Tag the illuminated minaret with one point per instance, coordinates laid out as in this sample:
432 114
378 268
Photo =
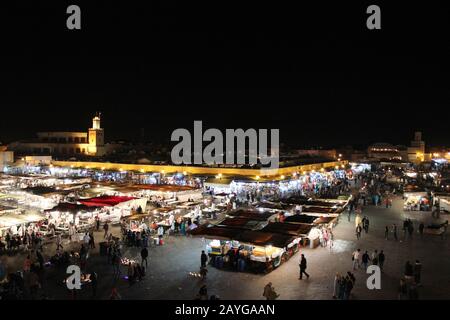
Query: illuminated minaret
96 137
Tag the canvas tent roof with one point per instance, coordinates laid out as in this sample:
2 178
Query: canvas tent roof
71 207
241 223
215 232
251 214
292 229
105 201
260 238
300 218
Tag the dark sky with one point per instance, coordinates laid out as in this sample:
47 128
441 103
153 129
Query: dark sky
316 73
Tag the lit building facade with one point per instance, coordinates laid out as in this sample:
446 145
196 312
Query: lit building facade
91 143
385 151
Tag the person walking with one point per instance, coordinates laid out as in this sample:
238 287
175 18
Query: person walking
366 224
331 240
58 242
417 272
337 279
374 257
410 229
405 228
106 228
303 265
203 259
86 240
365 260
386 233
358 232
355 259
144 256
421 228
97 224
381 259
394 231
91 240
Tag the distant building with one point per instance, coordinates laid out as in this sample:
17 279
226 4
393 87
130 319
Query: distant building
91 143
385 151
322 153
416 152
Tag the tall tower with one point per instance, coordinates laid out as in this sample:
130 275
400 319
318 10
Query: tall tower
417 142
96 137
416 152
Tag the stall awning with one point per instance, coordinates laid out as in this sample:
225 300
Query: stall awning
292 229
214 232
324 220
256 238
242 223
105 201
300 218
306 202
252 214
163 187
274 205
260 238
71 207
315 209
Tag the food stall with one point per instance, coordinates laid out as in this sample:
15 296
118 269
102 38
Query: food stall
13 221
115 207
240 249
65 214
416 201
267 249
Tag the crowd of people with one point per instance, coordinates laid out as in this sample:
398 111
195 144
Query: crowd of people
411 280
363 260
343 286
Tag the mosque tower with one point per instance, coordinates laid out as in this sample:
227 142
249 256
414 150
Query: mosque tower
96 137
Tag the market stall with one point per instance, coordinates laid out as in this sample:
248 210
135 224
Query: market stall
240 249
15 221
416 201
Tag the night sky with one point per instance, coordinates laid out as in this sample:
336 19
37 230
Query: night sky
316 73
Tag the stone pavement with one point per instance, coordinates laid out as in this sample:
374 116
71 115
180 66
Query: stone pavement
169 266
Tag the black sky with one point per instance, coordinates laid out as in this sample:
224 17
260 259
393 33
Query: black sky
316 73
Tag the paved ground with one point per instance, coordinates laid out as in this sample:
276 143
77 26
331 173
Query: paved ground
168 274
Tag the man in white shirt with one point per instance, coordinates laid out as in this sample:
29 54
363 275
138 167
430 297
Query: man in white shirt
355 258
